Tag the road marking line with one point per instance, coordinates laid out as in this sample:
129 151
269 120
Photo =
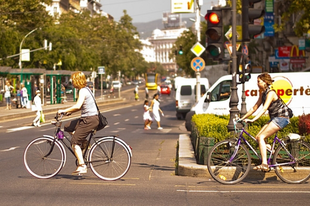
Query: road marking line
112 184
241 191
10 149
19 129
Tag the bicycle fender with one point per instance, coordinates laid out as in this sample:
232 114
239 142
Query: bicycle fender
119 140
62 147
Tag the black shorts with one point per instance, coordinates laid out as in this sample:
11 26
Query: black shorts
82 127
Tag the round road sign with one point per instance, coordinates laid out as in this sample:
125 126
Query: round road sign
198 64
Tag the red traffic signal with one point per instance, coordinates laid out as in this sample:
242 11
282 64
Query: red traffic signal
213 18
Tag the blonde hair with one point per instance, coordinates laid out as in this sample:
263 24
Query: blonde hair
265 77
79 79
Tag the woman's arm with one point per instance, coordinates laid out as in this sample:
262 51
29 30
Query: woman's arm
254 108
271 96
78 104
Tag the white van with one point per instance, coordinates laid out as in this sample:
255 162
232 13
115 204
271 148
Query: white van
185 96
293 88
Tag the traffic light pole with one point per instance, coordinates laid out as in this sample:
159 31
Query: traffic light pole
234 95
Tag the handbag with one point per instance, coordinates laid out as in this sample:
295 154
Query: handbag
103 122
289 110
42 117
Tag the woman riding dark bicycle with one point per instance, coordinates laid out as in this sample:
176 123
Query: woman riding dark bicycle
278 113
81 127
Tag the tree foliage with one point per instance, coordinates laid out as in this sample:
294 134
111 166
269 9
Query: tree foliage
80 41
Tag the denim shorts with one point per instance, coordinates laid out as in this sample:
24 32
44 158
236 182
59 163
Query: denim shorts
280 121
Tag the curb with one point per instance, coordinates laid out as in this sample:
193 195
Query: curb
54 109
187 165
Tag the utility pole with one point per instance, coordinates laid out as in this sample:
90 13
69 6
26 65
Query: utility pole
198 3
234 95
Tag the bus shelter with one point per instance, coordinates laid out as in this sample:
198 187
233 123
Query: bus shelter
31 78
54 79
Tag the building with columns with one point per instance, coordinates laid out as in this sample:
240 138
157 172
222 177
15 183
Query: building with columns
163 42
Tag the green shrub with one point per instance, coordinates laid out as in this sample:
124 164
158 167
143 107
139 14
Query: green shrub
210 125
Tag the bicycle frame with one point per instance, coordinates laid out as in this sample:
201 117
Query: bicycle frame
269 159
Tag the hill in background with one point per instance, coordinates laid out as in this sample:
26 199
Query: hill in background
145 29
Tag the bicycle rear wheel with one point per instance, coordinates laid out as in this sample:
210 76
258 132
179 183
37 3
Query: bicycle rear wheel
225 169
109 159
298 172
44 157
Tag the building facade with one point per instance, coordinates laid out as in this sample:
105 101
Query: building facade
163 42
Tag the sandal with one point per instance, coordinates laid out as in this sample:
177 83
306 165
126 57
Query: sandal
262 168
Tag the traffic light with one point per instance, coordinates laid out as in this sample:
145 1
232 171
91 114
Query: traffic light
180 50
244 69
249 14
215 37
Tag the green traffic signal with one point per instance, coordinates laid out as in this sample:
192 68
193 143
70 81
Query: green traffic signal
180 52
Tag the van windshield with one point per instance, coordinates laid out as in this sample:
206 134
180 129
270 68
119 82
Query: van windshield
221 92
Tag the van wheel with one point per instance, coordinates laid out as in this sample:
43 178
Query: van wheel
179 116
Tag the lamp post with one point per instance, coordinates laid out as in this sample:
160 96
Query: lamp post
20 48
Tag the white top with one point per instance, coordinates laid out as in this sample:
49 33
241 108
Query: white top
89 106
37 103
25 94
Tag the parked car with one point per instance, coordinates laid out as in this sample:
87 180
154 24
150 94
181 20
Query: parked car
135 82
165 89
116 84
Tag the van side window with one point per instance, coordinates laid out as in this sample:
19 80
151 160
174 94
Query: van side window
186 90
202 89
221 92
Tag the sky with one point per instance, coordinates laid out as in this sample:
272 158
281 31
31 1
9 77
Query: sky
145 10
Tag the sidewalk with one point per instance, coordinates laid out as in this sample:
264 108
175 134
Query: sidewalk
189 167
21 112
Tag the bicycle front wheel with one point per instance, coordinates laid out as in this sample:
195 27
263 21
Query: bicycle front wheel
288 171
109 159
227 165
44 157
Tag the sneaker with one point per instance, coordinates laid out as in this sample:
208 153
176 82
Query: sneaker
159 128
38 125
148 127
81 169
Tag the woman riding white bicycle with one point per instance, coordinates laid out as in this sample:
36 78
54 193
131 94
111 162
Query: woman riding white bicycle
81 127
278 112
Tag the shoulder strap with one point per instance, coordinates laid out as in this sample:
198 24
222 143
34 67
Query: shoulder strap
94 99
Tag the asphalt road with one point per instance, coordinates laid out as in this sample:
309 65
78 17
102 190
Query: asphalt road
150 181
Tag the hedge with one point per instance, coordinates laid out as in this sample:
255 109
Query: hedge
210 125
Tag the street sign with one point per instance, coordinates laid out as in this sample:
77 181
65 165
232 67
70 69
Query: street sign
101 70
198 49
229 47
245 50
198 64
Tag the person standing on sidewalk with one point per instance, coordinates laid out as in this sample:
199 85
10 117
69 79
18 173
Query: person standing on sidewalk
38 108
7 94
24 96
136 93
155 109
81 127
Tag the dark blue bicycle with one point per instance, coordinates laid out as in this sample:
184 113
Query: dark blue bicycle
229 161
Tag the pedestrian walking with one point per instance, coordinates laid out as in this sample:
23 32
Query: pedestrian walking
136 91
37 108
8 88
146 115
156 109
146 93
158 91
24 96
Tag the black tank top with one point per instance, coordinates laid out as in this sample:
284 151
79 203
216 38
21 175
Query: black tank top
276 108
